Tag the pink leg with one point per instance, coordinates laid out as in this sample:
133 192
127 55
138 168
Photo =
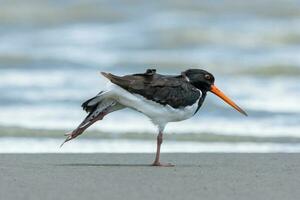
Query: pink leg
156 161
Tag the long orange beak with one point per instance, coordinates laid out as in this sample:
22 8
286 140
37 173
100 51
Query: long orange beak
220 94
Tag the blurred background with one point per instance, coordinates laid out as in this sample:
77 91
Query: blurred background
51 53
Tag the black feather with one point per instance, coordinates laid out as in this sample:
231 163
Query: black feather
88 108
175 91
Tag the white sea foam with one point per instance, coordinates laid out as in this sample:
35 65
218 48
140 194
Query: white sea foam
33 145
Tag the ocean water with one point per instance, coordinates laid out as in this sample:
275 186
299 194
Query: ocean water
51 53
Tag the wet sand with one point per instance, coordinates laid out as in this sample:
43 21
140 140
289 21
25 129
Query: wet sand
127 176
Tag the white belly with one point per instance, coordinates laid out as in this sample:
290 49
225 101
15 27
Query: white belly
159 114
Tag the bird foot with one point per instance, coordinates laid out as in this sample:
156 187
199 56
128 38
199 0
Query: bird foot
158 164
70 136
82 127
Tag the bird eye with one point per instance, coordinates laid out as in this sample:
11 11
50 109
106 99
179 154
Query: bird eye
207 77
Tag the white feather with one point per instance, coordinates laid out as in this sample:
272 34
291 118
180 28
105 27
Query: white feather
159 114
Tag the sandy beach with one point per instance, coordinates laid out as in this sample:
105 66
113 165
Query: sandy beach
127 176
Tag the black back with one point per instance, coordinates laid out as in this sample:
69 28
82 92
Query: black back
175 91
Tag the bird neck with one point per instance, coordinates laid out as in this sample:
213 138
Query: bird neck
201 100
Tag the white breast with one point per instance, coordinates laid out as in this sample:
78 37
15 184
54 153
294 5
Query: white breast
159 114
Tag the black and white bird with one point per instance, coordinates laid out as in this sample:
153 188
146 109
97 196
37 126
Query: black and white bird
163 98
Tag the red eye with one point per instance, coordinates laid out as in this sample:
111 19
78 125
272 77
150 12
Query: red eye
207 77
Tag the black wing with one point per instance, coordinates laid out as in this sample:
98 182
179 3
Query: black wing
166 90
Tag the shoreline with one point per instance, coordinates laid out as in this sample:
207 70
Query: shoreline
97 145
205 137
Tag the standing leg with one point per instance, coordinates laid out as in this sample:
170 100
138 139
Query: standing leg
156 161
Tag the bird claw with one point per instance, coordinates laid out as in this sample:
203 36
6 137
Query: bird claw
158 164
84 125
70 136
66 140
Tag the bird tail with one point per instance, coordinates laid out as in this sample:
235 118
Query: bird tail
96 107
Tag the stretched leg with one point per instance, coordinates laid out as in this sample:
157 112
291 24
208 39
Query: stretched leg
95 115
82 127
157 157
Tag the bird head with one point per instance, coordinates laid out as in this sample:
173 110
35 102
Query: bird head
205 82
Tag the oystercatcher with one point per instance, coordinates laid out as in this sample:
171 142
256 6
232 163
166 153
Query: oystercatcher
162 98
